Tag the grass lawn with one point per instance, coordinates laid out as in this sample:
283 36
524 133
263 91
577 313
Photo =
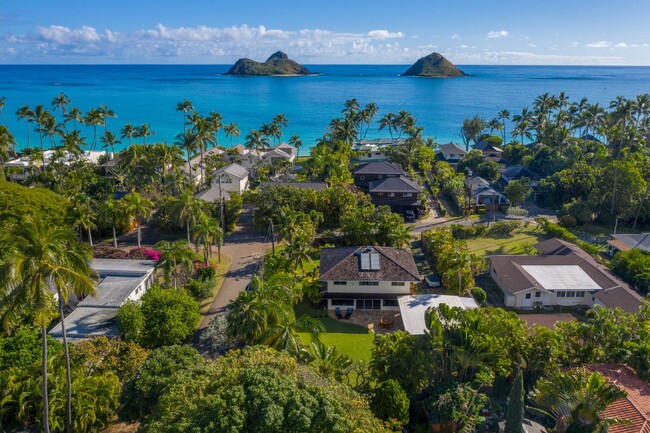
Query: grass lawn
512 245
222 269
352 340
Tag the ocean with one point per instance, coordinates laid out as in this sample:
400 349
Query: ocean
149 94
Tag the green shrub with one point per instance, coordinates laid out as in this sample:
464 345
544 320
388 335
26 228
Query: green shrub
170 315
478 294
18 202
130 321
200 290
568 221
390 402
503 229
516 211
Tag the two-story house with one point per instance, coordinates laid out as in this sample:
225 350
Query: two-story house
366 278
451 152
369 172
388 184
231 178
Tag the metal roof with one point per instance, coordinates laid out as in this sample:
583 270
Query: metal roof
413 308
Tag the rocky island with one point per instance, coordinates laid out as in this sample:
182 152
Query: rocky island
278 64
434 66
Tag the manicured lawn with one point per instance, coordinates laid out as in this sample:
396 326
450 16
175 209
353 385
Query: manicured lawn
512 245
352 340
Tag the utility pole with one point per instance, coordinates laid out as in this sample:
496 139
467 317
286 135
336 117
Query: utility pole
272 239
222 212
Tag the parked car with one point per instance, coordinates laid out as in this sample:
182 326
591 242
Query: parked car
409 215
432 281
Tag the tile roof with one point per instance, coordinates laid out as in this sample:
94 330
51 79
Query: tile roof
394 184
396 264
635 407
379 167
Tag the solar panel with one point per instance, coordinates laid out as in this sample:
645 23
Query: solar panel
374 261
365 261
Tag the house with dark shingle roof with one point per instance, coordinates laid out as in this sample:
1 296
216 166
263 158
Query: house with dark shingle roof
563 274
366 173
366 278
388 184
450 152
516 172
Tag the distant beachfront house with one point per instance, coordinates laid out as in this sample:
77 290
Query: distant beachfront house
119 281
491 153
366 278
625 242
451 152
252 158
388 184
563 274
413 309
483 193
21 168
517 172
231 178
375 150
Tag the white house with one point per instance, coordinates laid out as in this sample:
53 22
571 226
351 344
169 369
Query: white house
195 164
451 152
375 150
24 166
231 178
563 274
366 278
251 158
119 281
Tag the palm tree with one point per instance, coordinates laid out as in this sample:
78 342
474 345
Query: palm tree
187 209
2 106
128 131
110 209
214 120
51 128
189 142
504 115
326 360
298 251
296 142
110 140
577 399
143 131
24 113
231 131
7 144
280 121
208 231
60 102
106 113
73 141
94 118
75 115
85 215
137 208
388 121
186 107
174 257
256 140
284 334
41 256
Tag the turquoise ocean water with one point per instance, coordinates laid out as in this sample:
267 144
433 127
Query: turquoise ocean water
146 93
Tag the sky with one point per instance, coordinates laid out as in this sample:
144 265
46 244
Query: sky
553 32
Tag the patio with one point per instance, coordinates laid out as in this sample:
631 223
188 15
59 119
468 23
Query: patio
370 319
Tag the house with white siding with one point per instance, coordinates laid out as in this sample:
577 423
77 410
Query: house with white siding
366 277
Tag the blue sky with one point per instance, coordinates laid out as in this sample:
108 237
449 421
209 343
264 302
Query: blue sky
331 31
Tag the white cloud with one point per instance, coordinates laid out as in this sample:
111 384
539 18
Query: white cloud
599 44
64 35
532 45
528 58
384 34
455 36
621 45
498 34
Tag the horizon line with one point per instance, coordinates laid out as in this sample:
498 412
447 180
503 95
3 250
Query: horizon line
332 64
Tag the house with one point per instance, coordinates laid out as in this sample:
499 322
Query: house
516 172
413 309
119 281
451 152
195 164
483 193
366 278
563 274
252 158
20 168
635 406
366 173
488 149
400 193
316 186
625 242
375 150
281 152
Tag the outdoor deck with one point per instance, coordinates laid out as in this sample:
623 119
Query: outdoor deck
370 319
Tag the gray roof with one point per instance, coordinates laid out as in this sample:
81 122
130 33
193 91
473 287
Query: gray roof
122 266
481 186
379 167
620 297
286 148
234 169
517 171
212 194
84 322
451 148
396 264
640 241
394 184
483 145
318 186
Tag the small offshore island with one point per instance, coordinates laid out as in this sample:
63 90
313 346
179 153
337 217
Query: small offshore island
435 65
279 64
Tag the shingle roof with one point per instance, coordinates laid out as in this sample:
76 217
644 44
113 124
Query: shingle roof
234 169
396 264
379 167
635 407
212 194
517 171
484 145
622 297
640 241
451 148
318 186
394 184
481 186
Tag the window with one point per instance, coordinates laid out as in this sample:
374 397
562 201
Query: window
408 194
340 283
343 302
380 176
380 193
527 295
560 294
580 294
362 178
368 304
538 294
370 155
225 179
391 194
398 283
570 294
389 302
368 283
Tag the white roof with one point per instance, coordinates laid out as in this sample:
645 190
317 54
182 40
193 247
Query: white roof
561 277
413 308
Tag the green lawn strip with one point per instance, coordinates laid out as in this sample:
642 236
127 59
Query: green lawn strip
222 269
513 245
352 340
